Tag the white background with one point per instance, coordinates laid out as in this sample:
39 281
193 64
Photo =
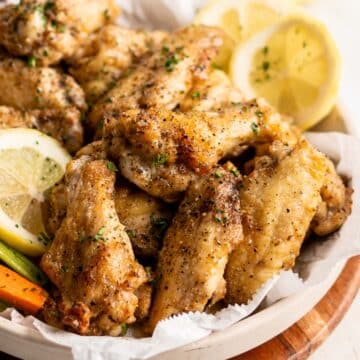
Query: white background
343 19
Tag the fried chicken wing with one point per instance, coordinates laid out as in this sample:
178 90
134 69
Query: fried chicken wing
161 151
62 124
203 233
50 31
164 78
278 201
91 261
56 198
145 218
212 94
335 206
37 88
108 55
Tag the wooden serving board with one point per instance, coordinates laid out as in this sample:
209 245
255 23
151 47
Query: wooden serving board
306 335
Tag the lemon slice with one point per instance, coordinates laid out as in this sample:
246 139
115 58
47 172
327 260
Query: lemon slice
295 65
30 163
241 19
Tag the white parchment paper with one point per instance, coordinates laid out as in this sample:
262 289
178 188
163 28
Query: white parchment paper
313 265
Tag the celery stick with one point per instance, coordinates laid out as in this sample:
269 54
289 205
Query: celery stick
21 264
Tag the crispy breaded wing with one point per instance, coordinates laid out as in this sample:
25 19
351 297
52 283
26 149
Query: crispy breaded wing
50 31
161 151
278 201
56 198
145 218
30 87
62 124
203 233
91 261
335 206
108 54
164 78
212 94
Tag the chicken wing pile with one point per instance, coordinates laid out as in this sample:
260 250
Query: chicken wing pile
182 194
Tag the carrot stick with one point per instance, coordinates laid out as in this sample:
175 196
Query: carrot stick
20 292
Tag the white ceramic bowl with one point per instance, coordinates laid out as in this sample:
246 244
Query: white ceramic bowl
262 326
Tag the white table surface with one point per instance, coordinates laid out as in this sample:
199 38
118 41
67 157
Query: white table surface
343 19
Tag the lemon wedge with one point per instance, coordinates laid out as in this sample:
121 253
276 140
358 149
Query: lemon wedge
294 64
30 163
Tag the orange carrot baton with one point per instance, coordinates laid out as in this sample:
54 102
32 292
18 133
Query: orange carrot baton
20 292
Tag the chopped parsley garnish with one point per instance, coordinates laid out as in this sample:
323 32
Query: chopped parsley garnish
235 172
215 66
61 28
31 61
83 117
44 238
107 14
99 235
111 166
124 329
265 65
165 49
255 128
218 174
170 62
17 226
259 114
221 220
56 313
39 8
49 5
265 50
160 224
100 125
131 233
195 94
161 159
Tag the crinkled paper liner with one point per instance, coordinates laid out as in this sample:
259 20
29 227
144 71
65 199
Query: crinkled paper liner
312 268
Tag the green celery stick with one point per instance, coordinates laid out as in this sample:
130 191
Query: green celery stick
21 264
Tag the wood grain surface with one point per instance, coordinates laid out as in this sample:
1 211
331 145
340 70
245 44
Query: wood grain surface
305 336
